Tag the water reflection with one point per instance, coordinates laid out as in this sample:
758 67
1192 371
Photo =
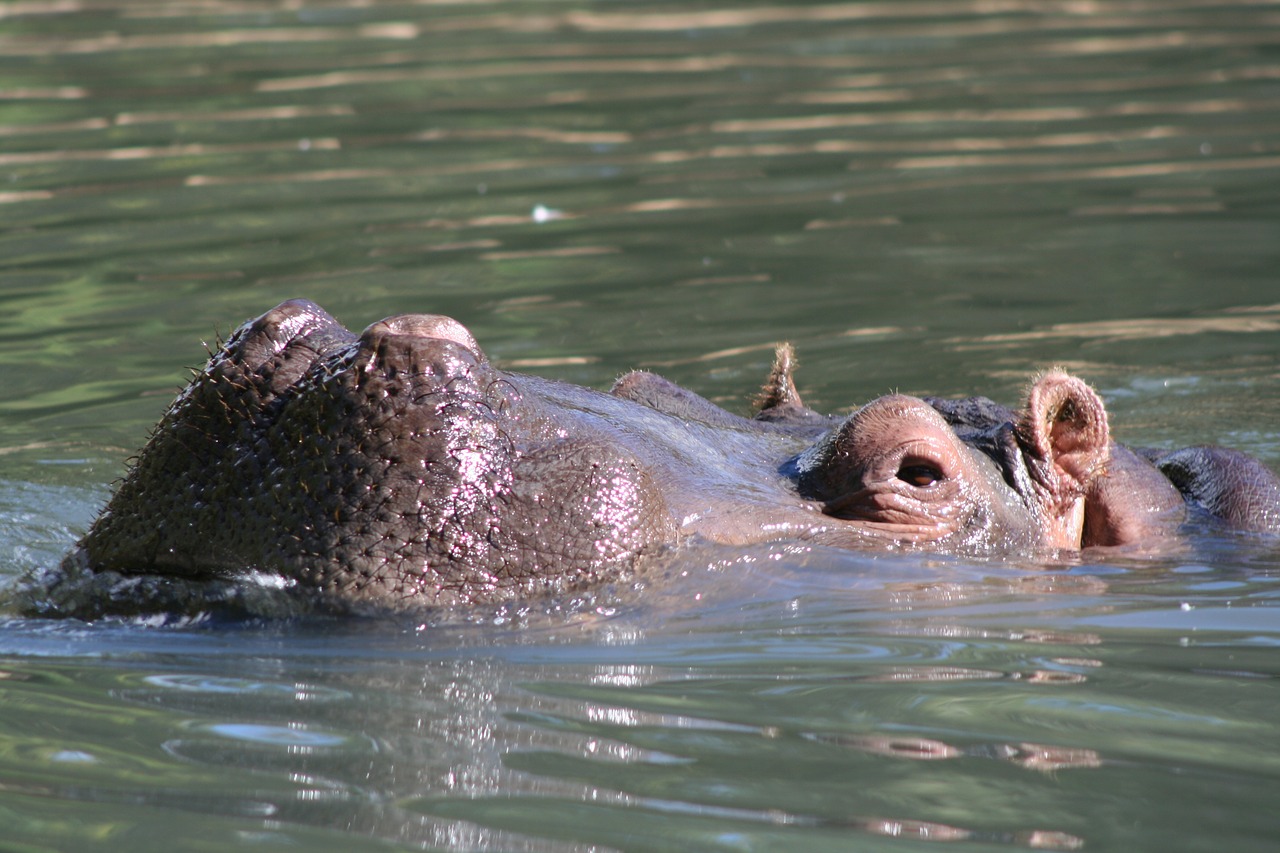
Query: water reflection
935 197
628 724
1244 320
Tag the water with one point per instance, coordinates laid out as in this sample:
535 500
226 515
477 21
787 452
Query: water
927 196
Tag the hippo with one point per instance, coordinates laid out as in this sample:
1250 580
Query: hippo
400 468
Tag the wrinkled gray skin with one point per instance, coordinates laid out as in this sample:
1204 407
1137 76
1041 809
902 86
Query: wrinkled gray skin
399 468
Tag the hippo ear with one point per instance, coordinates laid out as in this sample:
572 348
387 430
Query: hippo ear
779 389
1066 443
779 401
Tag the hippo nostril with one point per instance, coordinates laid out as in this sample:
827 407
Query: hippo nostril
428 326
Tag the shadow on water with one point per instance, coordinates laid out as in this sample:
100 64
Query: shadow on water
934 197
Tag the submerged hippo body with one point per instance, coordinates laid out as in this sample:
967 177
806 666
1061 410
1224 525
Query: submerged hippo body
399 467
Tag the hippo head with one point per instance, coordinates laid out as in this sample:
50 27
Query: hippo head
400 466
965 475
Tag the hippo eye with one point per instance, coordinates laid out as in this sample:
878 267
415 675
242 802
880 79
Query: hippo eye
919 474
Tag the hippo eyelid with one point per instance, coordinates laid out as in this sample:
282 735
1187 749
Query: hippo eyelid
920 472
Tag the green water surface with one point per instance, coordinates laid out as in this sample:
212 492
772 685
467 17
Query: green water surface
929 196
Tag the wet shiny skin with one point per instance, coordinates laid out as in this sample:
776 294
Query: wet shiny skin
400 468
